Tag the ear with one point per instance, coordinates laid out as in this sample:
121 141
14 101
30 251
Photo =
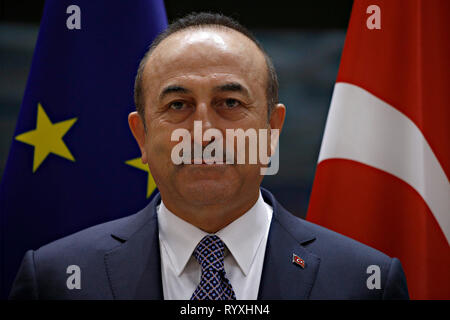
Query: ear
277 116
139 132
276 122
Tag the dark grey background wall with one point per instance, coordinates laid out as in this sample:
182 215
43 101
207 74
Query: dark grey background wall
304 39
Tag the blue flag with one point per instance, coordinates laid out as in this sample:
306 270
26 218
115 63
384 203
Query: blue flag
73 161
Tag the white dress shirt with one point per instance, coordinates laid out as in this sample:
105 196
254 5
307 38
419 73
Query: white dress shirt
245 240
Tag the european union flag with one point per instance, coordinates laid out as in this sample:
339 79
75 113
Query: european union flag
74 162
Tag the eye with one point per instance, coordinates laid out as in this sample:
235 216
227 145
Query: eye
177 105
231 103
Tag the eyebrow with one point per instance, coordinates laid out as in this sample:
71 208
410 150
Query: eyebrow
233 87
172 89
227 87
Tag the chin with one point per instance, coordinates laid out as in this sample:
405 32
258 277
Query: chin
202 189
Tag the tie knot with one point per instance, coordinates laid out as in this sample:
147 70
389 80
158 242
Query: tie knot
210 253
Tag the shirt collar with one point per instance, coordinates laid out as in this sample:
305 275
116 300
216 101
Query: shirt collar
178 236
242 237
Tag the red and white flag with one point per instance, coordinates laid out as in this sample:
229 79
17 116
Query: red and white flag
383 171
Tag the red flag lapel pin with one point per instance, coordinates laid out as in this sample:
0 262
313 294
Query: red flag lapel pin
298 261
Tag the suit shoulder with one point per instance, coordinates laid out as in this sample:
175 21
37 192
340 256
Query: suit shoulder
101 237
325 243
84 250
332 244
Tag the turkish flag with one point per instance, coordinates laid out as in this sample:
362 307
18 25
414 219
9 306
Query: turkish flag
383 171
299 261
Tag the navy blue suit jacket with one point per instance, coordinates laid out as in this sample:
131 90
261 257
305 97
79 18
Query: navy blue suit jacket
121 260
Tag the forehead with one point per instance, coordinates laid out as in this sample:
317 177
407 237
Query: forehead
205 52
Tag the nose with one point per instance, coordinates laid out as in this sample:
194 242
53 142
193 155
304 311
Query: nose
203 115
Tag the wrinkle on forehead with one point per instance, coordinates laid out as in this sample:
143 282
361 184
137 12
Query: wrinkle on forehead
205 51
206 45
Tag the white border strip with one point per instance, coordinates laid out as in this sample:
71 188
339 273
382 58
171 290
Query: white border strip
363 128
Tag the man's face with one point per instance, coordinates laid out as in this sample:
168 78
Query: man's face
218 77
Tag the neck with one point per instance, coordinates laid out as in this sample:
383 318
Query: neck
212 217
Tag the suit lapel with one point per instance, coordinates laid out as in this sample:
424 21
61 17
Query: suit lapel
281 278
134 268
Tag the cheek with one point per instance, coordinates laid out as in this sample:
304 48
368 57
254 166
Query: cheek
158 154
159 146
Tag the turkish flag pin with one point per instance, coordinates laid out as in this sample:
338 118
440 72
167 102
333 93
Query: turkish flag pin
298 261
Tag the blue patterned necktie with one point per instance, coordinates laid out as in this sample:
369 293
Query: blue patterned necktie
213 284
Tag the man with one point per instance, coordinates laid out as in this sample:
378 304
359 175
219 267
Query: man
211 232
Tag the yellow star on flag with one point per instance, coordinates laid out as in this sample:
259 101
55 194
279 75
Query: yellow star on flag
47 138
137 163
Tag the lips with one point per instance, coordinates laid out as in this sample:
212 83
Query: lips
207 161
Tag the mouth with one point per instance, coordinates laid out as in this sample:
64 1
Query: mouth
207 162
